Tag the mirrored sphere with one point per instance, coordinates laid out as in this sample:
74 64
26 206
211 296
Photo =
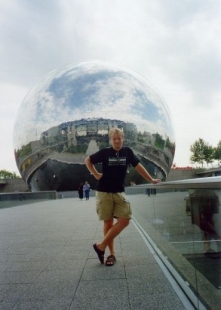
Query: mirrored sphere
68 114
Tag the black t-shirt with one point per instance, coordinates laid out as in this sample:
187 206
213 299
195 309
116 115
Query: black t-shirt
114 168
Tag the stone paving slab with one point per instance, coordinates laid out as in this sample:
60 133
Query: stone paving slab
47 262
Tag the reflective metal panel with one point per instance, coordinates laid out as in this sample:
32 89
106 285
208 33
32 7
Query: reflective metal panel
68 114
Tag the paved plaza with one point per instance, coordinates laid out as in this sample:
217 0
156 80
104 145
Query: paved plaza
47 262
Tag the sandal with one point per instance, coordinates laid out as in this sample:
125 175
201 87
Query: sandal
100 253
111 260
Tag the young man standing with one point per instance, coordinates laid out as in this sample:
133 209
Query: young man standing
111 201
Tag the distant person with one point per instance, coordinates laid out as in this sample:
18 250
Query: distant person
111 200
148 192
204 208
86 189
80 191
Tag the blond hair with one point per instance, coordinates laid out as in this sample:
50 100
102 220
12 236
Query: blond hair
117 131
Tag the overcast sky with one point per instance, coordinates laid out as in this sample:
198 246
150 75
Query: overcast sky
175 45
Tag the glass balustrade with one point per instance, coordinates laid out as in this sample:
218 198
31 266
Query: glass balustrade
182 221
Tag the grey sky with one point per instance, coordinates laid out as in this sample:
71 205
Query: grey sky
175 45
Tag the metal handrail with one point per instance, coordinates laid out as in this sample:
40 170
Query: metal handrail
208 182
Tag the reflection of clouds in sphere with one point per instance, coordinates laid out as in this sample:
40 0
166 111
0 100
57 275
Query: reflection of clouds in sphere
93 90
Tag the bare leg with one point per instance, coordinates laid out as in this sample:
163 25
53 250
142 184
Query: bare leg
107 226
113 232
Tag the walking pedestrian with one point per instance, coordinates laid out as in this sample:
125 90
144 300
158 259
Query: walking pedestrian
86 189
80 191
111 201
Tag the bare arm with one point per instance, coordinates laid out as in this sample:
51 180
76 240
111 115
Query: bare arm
143 172
92 169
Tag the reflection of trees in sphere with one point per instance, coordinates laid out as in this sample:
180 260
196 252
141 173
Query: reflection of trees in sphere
68 114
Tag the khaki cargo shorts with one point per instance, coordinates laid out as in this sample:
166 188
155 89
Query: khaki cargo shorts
112 205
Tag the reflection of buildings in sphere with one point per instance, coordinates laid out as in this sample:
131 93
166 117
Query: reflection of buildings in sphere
53 151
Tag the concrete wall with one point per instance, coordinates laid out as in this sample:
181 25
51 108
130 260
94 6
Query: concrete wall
21 198
13 185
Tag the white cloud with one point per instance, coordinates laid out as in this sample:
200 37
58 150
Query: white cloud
175 45
10 98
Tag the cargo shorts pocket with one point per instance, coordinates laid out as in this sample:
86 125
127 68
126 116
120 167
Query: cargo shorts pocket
125 200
